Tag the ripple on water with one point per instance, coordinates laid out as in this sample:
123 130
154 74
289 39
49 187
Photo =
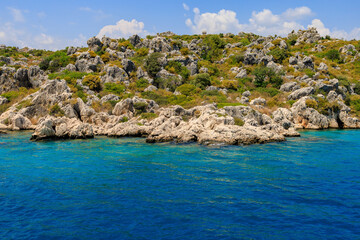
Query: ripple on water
104 188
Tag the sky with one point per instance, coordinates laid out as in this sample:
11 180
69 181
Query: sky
57 24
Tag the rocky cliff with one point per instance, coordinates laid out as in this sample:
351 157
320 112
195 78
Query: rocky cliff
226 88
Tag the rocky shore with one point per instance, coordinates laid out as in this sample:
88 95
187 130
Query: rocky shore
78 101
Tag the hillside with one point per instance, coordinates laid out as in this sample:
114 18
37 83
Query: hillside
234 89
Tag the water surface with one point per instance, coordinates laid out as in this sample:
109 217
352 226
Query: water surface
104 188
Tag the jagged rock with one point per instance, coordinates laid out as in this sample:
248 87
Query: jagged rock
322 67
289 87
129 66
150 88
301 93
246 94
71 50
22 77
135 40
114 74
110 97
309 118
84 111
3 100
193 68
241 74
258 101
62 128
70 67
244 100
88 64
128 106
94 44
275 67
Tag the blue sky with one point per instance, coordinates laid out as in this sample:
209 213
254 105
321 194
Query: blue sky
57 24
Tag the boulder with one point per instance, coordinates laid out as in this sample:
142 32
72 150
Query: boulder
297 94
94 44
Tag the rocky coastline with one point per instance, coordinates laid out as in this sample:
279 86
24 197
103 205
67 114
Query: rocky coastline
64 107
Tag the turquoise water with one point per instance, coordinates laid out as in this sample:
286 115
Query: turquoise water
305 188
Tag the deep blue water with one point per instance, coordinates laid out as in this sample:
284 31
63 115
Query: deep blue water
305 188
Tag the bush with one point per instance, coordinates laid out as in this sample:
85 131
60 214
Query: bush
357 88
355 102
142 52
140 107
279 54
239 121
262 73
142 83
93 82
213 46
68 76
333 55
271 91
114 88
309 72
230 84
202 80
105 57
148 116
187 89
178 68
311 103
55 110
55 61
152 64
185 51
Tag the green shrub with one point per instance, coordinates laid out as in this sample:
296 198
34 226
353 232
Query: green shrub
262 73
178 68
184 51
279 54
142 52
355 102
333 55
202 80
152 64
55 110
239 121
142 83
93 82
148 116
309 72
140 107
114 88
213 46
271 91
55 61
357 88
187 89
124 119
68 76
310 103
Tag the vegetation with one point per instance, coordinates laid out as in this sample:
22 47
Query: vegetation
93 82
152 64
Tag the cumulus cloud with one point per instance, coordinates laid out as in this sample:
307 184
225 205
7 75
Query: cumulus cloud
319 25
186 7
264 22
223 21
17 14
297 13
123 28
44 39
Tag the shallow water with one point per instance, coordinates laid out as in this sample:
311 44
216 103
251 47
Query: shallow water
104 188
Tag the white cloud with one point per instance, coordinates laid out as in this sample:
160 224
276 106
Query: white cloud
44 39
223 21
319 25
263 23
17 14
297 13
2 35
186 7
264 18
123 28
